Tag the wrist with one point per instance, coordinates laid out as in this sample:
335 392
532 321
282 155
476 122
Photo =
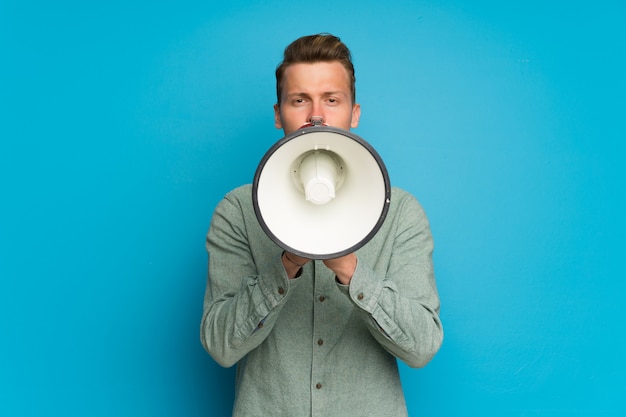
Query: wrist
291 261
343 267
292 264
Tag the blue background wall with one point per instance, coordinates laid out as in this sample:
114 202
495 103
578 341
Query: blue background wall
122 124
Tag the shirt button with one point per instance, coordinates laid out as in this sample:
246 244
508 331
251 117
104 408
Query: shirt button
360 296
318 386
281 290
322 298
320 342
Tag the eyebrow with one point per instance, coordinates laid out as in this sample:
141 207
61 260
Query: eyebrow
325 94
335 93
297 94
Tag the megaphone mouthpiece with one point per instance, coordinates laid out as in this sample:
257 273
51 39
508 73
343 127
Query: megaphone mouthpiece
314 121
319 174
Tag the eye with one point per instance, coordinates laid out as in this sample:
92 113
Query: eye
298 100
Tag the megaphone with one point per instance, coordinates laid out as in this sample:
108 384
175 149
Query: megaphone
321 192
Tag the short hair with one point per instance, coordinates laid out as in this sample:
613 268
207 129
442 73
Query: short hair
310 49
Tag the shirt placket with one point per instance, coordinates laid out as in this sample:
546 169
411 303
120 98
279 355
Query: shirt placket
320 390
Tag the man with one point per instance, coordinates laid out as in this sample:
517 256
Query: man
311 337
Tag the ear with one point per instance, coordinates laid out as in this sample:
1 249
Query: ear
356 115
277 122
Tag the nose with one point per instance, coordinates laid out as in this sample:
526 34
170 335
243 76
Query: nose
316 120
316 117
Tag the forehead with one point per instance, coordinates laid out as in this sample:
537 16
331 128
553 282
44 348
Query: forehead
310 77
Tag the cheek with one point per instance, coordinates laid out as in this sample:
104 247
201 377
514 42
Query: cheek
293 115
291 120
342 119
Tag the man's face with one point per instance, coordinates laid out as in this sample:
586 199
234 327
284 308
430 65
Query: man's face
320 89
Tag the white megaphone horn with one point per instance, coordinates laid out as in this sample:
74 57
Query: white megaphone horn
321 192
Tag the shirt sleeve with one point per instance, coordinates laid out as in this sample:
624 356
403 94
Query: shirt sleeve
401 305
242 300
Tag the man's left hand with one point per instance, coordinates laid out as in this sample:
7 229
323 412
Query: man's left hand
343 267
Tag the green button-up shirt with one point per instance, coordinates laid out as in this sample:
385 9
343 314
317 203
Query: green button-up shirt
310 346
